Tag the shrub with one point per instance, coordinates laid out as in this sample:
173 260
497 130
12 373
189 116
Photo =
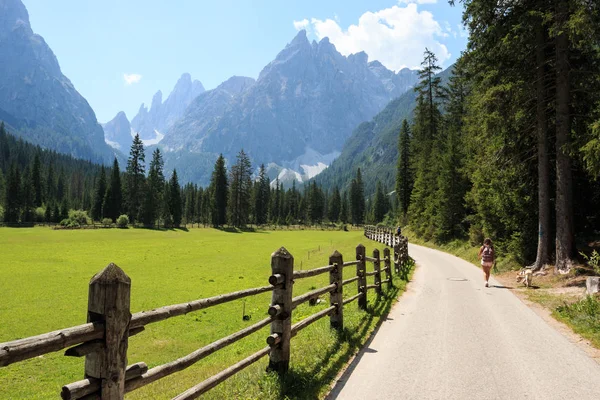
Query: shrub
69 223
40 213
107 222
123 221
80 217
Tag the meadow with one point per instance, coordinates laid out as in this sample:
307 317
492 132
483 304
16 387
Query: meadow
45 283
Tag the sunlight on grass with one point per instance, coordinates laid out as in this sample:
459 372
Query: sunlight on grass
48 274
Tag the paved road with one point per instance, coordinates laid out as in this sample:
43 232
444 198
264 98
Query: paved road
449 337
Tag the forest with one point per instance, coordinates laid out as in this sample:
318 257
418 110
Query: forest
510 148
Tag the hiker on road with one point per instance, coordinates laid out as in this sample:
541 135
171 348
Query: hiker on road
486 255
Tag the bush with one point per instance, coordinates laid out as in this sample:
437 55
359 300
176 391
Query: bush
107 222
68 223
123 221
40 213
80 217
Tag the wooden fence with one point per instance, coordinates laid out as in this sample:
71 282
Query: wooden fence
103 340
389 237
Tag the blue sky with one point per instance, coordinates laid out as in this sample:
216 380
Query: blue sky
118 53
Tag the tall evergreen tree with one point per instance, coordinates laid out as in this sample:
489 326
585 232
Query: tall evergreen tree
28 197
36 176
113 201
151 207
219 189
99 195
344 209
335 205
261 197
240 190
134 181
357 199
12 203
175 203
404 178
380 204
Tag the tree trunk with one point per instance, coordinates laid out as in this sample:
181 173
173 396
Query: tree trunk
564 184
543 162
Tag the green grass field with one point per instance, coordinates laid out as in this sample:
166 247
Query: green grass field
45 283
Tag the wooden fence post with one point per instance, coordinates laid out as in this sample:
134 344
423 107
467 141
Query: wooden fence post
387 265
397 258
336 320
282 263
377 267
362 279
108 302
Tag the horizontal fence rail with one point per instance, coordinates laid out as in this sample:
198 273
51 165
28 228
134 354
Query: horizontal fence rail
103 340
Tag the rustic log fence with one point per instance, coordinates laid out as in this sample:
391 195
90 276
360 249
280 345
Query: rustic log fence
103 340
399 243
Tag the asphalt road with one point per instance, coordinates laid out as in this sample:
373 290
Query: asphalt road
449 337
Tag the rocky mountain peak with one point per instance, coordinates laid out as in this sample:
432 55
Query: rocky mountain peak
300 39
156 101
117 132
13 15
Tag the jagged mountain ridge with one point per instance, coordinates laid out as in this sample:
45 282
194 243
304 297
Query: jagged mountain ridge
36 99
117 132
308 100
162 115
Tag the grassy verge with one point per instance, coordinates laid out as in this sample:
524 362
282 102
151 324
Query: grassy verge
47 274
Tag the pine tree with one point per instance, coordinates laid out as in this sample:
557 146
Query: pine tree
12 203
175 203
28 197
135 178
219 189
36 176
151 205
99 195
335 204
240 190
261 197
380 204
404 178
357 199
113 201
344 208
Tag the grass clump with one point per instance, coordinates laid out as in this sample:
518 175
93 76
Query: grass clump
583 316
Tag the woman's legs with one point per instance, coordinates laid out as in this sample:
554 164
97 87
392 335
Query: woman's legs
486 272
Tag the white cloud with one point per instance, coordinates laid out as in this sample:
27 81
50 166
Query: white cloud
299 25
417 1
132 78
462 31
396 36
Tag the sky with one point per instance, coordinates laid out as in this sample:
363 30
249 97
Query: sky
118 53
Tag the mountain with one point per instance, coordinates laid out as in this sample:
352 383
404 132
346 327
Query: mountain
303 106
117 133
153 123
36 99
373 147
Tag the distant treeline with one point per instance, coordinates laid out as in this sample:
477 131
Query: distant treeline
38 185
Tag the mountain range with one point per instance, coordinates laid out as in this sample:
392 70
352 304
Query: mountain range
295 117
37 101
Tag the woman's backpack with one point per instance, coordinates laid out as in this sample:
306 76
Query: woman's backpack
488 253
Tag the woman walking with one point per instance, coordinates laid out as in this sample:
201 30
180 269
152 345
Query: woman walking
486 254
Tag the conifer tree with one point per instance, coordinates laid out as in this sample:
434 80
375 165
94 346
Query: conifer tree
240 190
36 176
113 201
404 178
380 204
261 197
344 208
151 206
134 181
12 203
219 189
175 203
28 197
357 199
99 195
335 204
